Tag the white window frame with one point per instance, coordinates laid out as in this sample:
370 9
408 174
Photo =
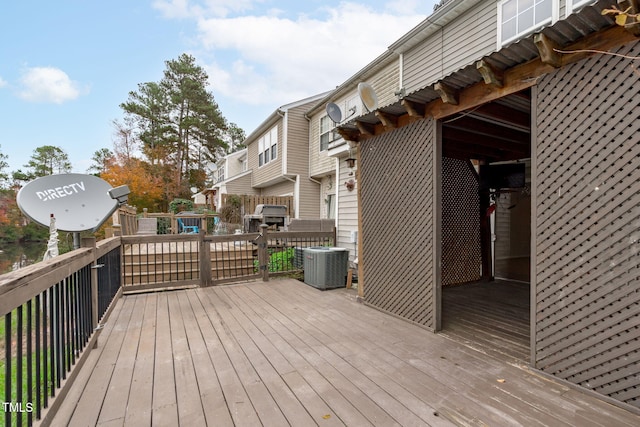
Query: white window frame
326 130
331 205
268 147
555 16
573 5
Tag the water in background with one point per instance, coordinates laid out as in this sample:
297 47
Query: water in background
14 256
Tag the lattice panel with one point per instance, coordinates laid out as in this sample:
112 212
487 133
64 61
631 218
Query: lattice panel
461 249
588 225
396 184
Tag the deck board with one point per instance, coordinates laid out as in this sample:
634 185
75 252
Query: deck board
283 353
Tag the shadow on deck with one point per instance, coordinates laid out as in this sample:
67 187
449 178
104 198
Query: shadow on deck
283 353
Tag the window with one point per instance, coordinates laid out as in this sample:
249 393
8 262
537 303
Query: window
268 147
326 132
331 206
517 18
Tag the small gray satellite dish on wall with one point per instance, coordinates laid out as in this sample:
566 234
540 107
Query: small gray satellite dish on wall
368 96
334 112
78 202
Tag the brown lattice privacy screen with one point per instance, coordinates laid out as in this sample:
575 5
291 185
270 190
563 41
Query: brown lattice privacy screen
461 250
587 299
396 184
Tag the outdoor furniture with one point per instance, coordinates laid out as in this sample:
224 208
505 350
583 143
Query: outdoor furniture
187 229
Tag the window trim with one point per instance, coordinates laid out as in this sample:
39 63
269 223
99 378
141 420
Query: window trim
331 132
555 16
266 153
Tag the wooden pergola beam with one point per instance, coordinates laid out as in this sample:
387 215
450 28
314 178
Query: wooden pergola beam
448 94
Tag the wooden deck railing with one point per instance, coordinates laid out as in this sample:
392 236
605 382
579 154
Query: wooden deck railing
50 314
188 260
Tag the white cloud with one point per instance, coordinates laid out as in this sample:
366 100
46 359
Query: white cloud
48 85
2 82
278 60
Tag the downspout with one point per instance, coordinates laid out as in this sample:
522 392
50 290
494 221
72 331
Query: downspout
315 181
285 130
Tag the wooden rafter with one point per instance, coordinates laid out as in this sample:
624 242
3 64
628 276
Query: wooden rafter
349 134
447 93
633 6
364 128
490 74
547 50
515 79
387 120
414 109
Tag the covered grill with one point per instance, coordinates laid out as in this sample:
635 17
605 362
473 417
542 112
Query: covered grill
267 214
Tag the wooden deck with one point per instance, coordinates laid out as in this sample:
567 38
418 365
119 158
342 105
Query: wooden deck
283 353
490 316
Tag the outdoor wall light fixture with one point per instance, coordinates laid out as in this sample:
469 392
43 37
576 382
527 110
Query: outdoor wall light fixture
351 162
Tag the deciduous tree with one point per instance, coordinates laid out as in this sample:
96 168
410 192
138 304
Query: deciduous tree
147 189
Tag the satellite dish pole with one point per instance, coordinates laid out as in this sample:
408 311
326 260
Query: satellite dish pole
52 244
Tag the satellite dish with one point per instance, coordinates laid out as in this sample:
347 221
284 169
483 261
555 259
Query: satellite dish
368 96
334 112
194 190
78 202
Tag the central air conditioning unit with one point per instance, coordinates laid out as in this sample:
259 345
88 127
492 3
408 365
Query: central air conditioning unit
326 268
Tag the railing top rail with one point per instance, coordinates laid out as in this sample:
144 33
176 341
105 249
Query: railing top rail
159 238
17 287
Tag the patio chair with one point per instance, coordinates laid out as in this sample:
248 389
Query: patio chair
187 229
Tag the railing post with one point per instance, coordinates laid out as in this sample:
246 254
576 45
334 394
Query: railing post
90 242
205 260
263 252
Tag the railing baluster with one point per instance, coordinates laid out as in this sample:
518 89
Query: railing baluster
45 350
38 359
19 343
53 324
30 360
7 366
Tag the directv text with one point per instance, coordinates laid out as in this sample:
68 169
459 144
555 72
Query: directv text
60 192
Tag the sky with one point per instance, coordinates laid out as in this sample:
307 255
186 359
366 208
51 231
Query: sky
66 66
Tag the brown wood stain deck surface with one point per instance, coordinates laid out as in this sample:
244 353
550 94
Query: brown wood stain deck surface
283 353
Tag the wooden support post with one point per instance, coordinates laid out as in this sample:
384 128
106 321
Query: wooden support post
205 259
263 252
349 278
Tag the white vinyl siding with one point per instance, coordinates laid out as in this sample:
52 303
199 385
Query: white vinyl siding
460 43
347 208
